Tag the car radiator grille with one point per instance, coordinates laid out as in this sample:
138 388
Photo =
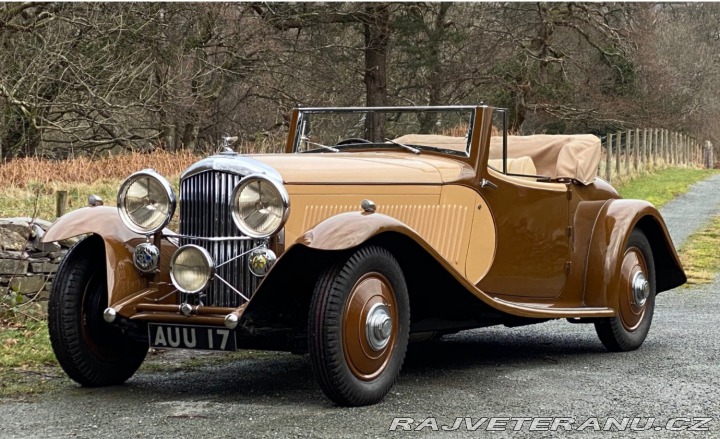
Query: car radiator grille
205 212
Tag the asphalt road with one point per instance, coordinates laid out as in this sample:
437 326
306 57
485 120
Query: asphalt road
551 370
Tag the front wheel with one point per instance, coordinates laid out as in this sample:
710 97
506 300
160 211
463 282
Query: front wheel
636 299
90 351
358 327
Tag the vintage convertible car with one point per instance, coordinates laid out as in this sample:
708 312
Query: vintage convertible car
375 224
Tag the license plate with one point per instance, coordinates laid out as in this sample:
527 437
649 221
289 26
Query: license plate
191 337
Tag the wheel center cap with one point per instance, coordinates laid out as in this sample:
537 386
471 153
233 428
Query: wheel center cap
640 289
378 326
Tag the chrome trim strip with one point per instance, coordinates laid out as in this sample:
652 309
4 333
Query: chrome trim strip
214 239
234 164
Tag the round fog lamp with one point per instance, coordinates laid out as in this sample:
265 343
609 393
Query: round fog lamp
191 269
261 261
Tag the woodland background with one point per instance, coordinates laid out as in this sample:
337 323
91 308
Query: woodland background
93 78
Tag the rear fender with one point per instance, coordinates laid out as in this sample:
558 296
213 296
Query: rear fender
614 224
119 242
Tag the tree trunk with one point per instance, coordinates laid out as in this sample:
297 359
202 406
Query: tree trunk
435 83
377 34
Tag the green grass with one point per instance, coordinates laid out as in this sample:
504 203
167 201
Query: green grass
663 186
701 256
38 200
27 363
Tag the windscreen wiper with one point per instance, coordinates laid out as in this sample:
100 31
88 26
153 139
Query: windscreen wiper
319 145
409 148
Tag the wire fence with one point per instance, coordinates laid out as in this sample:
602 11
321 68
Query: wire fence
642 150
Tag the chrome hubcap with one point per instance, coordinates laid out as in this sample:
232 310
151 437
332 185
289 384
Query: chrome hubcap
640 289
378 326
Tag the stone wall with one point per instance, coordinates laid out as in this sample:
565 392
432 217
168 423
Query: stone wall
27 265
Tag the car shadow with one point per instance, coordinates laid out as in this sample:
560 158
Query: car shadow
281 378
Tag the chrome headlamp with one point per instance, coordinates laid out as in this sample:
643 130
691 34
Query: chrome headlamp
146 202
260 206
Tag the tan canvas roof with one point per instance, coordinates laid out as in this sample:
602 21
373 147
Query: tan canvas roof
573 156
558 156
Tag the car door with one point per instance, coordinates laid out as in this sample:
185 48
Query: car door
533 243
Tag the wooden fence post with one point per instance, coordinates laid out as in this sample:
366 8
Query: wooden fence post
683 143
698 154
617 153
645 148
628 151
673 139
608 157
681 148
60 203
653 147
636 147
708 155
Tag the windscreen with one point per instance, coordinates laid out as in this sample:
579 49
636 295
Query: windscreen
437 128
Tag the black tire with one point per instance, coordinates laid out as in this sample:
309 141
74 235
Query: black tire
345 373
627 331
90 351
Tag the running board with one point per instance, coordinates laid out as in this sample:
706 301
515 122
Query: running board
542 311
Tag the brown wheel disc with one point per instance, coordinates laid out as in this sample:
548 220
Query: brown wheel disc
367 349
635 299
631 306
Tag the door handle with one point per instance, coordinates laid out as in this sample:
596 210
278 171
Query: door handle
487 183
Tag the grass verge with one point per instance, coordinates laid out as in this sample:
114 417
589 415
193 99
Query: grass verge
27 363
700 255
664 185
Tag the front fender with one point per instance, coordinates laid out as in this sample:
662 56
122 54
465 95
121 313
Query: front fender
614 224
348 230
122 277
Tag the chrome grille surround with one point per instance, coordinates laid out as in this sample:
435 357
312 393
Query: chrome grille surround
205 213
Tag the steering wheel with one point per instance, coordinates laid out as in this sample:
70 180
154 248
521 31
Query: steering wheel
351 141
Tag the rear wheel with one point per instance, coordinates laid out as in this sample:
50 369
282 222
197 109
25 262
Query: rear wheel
358 327
636 299
90 351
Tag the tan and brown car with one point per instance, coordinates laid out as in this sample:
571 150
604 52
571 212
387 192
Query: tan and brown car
375 224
